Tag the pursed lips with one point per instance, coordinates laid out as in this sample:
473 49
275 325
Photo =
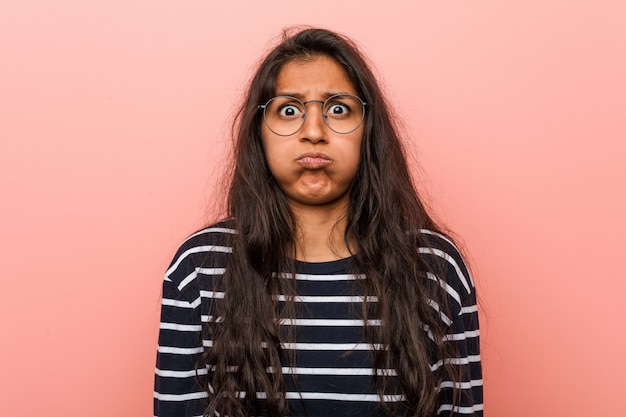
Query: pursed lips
314 160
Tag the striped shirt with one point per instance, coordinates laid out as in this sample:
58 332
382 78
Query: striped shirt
333 363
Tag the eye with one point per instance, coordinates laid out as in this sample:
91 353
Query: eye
337 108
289 110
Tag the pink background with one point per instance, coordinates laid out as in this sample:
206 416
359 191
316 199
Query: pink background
113 122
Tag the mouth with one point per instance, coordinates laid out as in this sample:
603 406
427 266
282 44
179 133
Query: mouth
314 160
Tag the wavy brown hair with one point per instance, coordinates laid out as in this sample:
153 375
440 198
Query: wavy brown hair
384 212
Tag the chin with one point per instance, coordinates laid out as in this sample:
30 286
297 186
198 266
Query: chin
322 200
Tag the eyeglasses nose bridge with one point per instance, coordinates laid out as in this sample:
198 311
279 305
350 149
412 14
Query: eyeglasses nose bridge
306 112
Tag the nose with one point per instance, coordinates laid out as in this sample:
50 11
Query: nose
314 127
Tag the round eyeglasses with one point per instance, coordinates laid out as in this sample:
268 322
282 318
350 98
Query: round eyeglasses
285 115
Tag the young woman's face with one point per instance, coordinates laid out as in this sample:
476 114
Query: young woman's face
315 165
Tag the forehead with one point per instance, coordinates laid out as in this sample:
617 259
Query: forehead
319 75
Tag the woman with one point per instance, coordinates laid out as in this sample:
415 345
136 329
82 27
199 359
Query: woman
329 290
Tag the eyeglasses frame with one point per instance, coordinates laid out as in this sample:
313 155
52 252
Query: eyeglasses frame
324 117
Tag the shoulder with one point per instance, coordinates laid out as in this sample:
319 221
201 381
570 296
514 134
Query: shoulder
209 247
215 234
446 264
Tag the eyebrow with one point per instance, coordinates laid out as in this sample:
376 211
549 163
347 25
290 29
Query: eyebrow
300 96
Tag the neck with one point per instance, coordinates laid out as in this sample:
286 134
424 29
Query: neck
320 232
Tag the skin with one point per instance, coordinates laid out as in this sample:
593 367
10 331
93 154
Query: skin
315 166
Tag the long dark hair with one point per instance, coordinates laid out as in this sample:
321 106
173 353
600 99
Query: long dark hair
384 212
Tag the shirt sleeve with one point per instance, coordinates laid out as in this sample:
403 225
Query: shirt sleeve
178 388
464 331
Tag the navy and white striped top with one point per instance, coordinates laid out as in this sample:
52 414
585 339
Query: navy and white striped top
332 361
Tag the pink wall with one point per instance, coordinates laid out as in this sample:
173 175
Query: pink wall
112 128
